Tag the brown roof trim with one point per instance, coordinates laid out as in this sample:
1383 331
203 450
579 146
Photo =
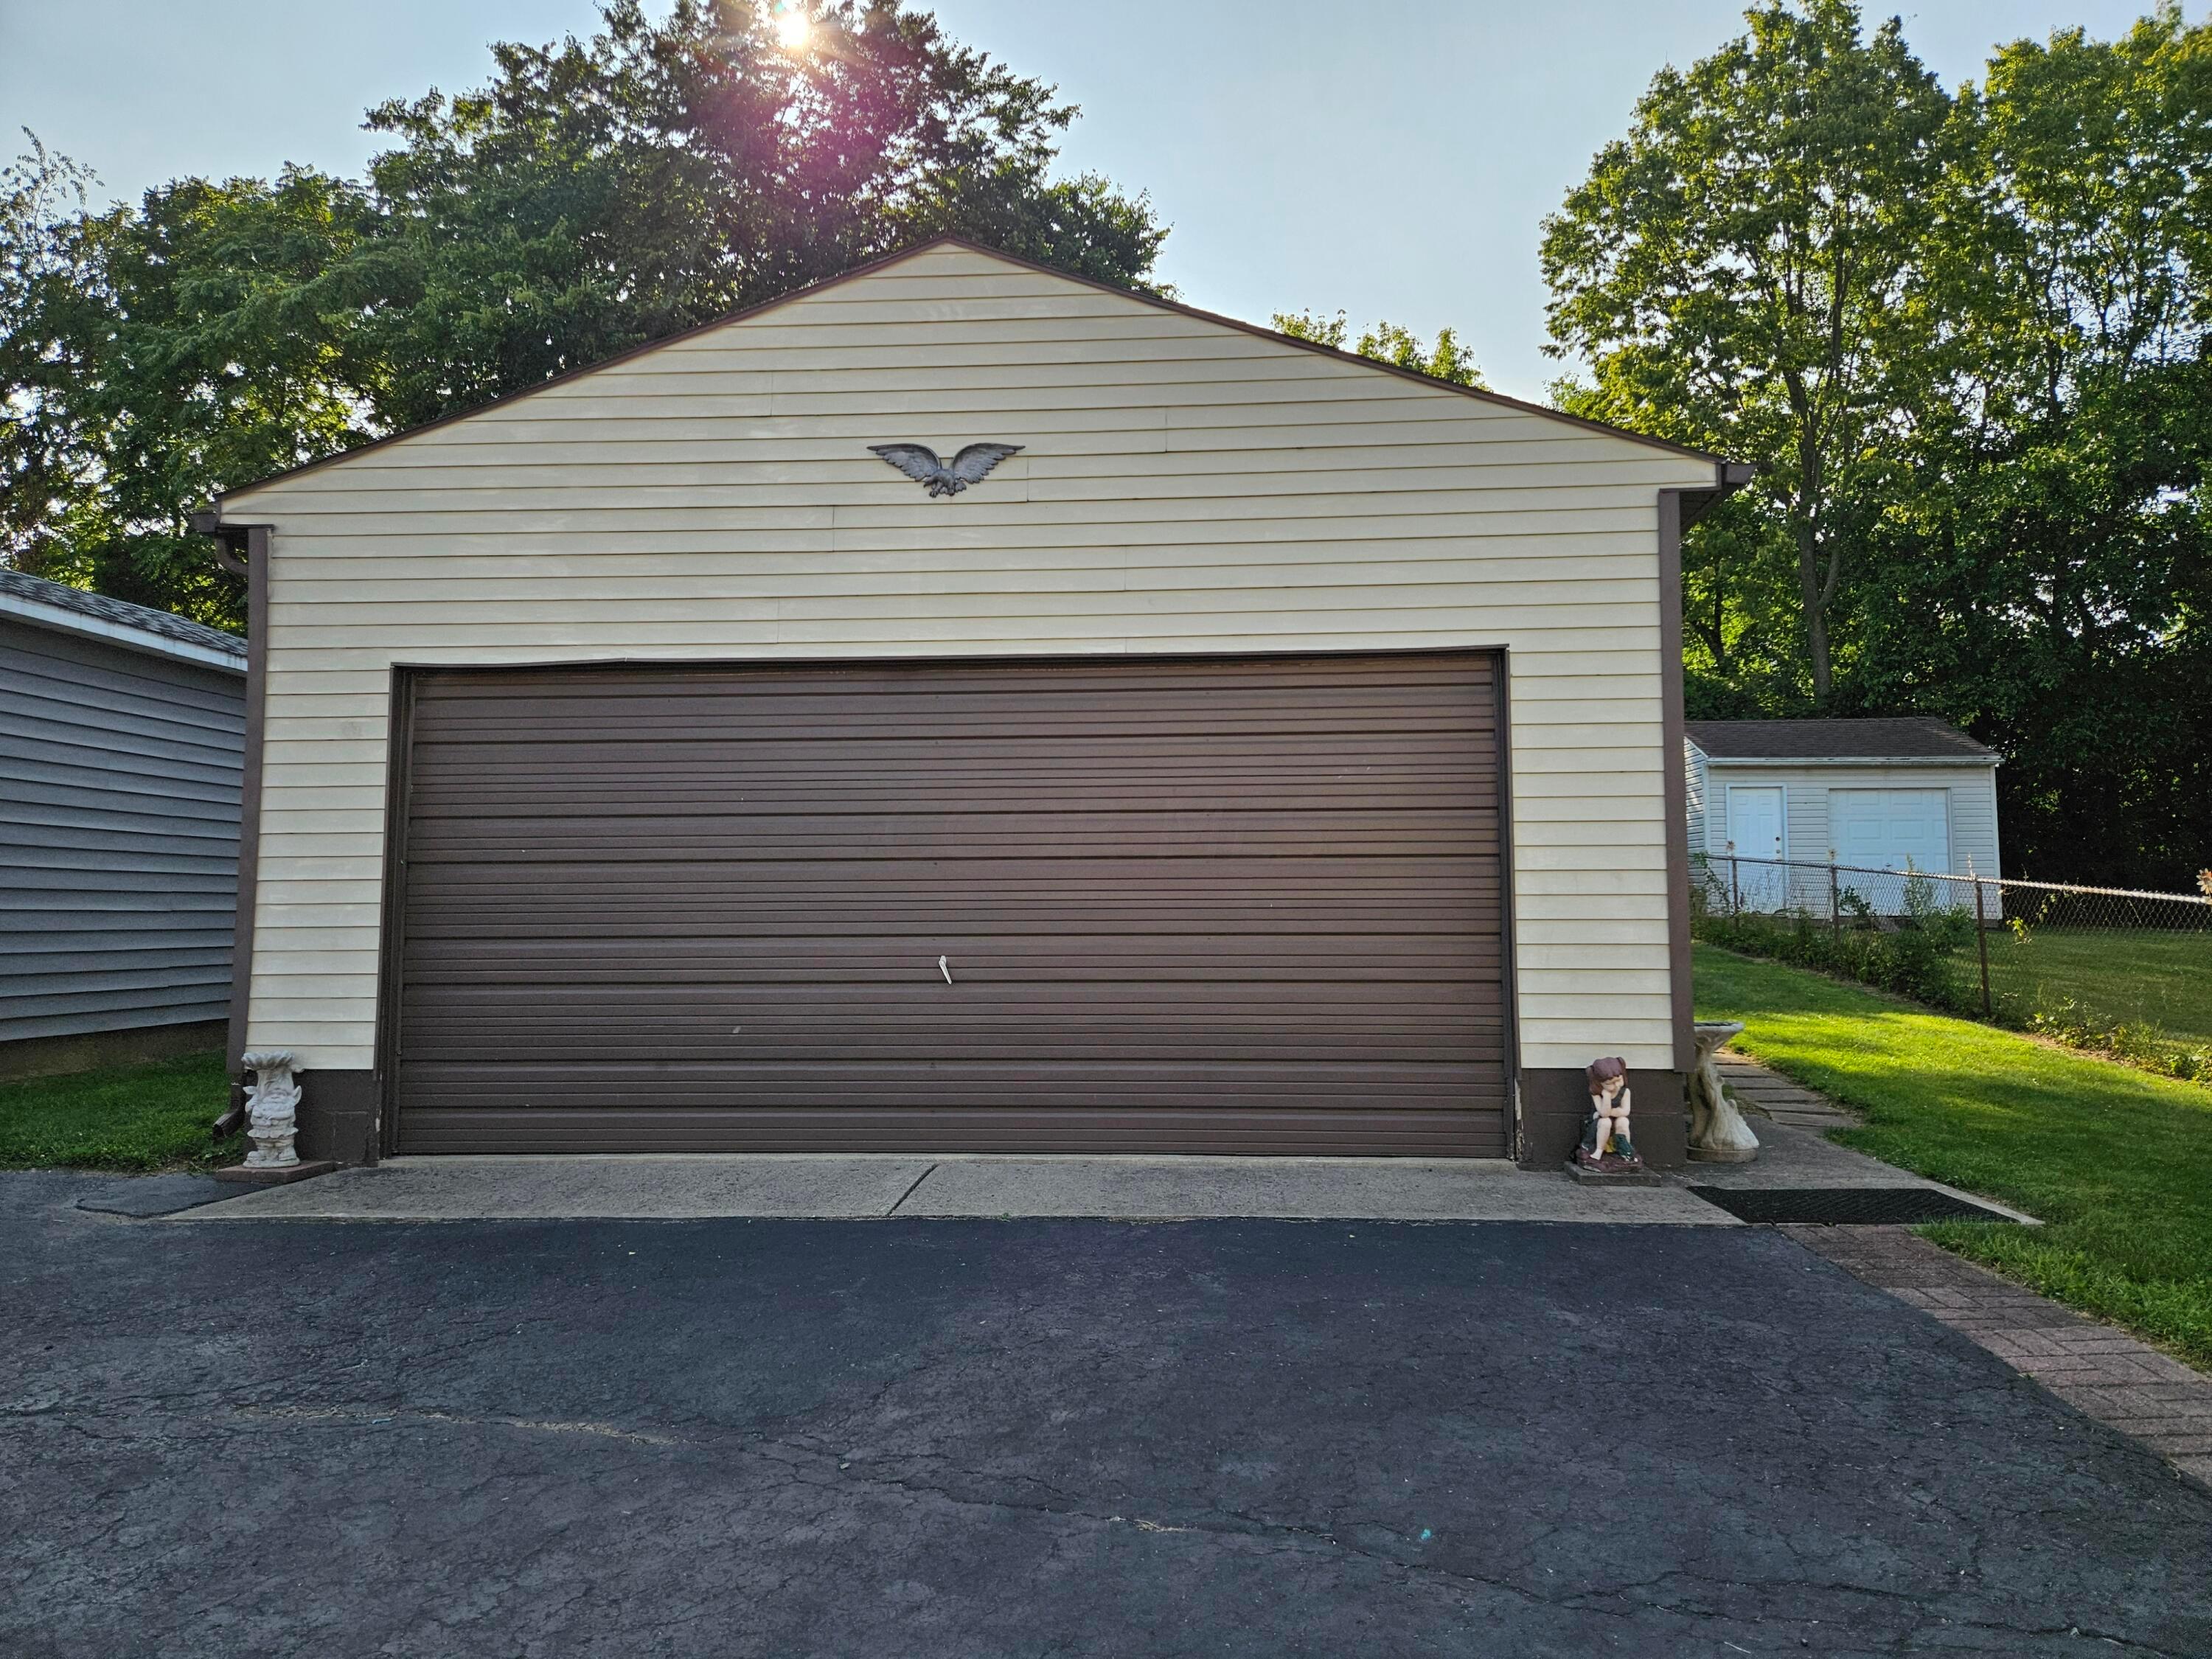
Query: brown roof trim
256 538
1675 512
1724 467
1481 394
1678 510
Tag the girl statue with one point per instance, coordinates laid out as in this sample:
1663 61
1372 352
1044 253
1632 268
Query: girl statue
1605 1134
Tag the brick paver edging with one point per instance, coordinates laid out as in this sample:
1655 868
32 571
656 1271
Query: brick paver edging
2125 1384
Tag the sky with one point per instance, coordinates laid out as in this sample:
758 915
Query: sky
1393 159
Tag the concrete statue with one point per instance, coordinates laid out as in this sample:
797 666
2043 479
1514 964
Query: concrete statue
271 1110
1718 1133
1606 1147
919 463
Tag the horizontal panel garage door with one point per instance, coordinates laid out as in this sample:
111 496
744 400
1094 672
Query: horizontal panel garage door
1890 829
1229 906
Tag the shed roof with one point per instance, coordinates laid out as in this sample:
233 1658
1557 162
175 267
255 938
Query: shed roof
1917 737
72 610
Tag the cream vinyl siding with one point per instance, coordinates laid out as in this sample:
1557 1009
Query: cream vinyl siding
1184 487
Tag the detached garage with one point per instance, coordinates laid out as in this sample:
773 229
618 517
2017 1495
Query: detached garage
1228 745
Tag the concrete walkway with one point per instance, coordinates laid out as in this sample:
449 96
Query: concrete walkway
802 1186
1795 1149
1795 1158
828 1186
795 1185
1791 1104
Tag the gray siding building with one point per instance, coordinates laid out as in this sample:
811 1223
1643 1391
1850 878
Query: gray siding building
122 732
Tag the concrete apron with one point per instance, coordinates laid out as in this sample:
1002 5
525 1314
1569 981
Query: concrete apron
1802 1158
860 1188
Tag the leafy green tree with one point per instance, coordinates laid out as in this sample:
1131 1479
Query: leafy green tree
598 195
156 349
1966 339
1737 274
45 449
2047 575
1387 343
226 356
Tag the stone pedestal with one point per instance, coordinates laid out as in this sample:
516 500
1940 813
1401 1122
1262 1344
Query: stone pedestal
1718 1133
274 1175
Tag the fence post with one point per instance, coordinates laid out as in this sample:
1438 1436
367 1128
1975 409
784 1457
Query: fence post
1736 891
1835 905
1981 943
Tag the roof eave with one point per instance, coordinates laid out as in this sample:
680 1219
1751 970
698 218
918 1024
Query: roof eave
60 620
1712 759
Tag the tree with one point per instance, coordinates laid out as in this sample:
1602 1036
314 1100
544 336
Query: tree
603 193
221 349
2048 572
1387 342
1966 336
44 448
1736 271
597 195
157 349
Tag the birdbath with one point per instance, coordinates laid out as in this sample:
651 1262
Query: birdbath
1718 1133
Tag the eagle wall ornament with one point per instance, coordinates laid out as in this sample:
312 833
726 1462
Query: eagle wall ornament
919 463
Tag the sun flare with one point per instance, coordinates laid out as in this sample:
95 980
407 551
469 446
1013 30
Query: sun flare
792 25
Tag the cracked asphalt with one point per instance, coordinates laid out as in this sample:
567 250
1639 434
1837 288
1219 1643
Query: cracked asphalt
1035 1438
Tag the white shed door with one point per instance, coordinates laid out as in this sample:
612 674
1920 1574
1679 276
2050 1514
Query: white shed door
1755 832
1889 828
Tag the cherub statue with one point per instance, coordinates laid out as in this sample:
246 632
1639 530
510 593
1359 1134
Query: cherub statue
1605 1143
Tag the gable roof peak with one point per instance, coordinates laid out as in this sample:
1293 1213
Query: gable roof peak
1728 475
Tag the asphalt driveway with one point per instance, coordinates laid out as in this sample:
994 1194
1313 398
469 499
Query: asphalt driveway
979 1439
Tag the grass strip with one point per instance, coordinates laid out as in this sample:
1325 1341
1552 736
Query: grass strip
145 1117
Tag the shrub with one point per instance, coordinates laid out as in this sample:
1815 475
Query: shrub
1917 960
2134 1041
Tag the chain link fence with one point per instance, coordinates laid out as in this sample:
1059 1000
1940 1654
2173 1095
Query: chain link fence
2099 967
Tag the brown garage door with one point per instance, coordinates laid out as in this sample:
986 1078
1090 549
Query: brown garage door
1224 906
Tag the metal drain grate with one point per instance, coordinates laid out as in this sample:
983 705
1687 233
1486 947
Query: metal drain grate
1844 1206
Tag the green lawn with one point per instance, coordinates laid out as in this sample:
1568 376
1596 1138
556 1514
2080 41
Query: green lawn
134 1117
2138 974
2117 1161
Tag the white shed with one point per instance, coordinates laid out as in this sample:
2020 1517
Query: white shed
1874 795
